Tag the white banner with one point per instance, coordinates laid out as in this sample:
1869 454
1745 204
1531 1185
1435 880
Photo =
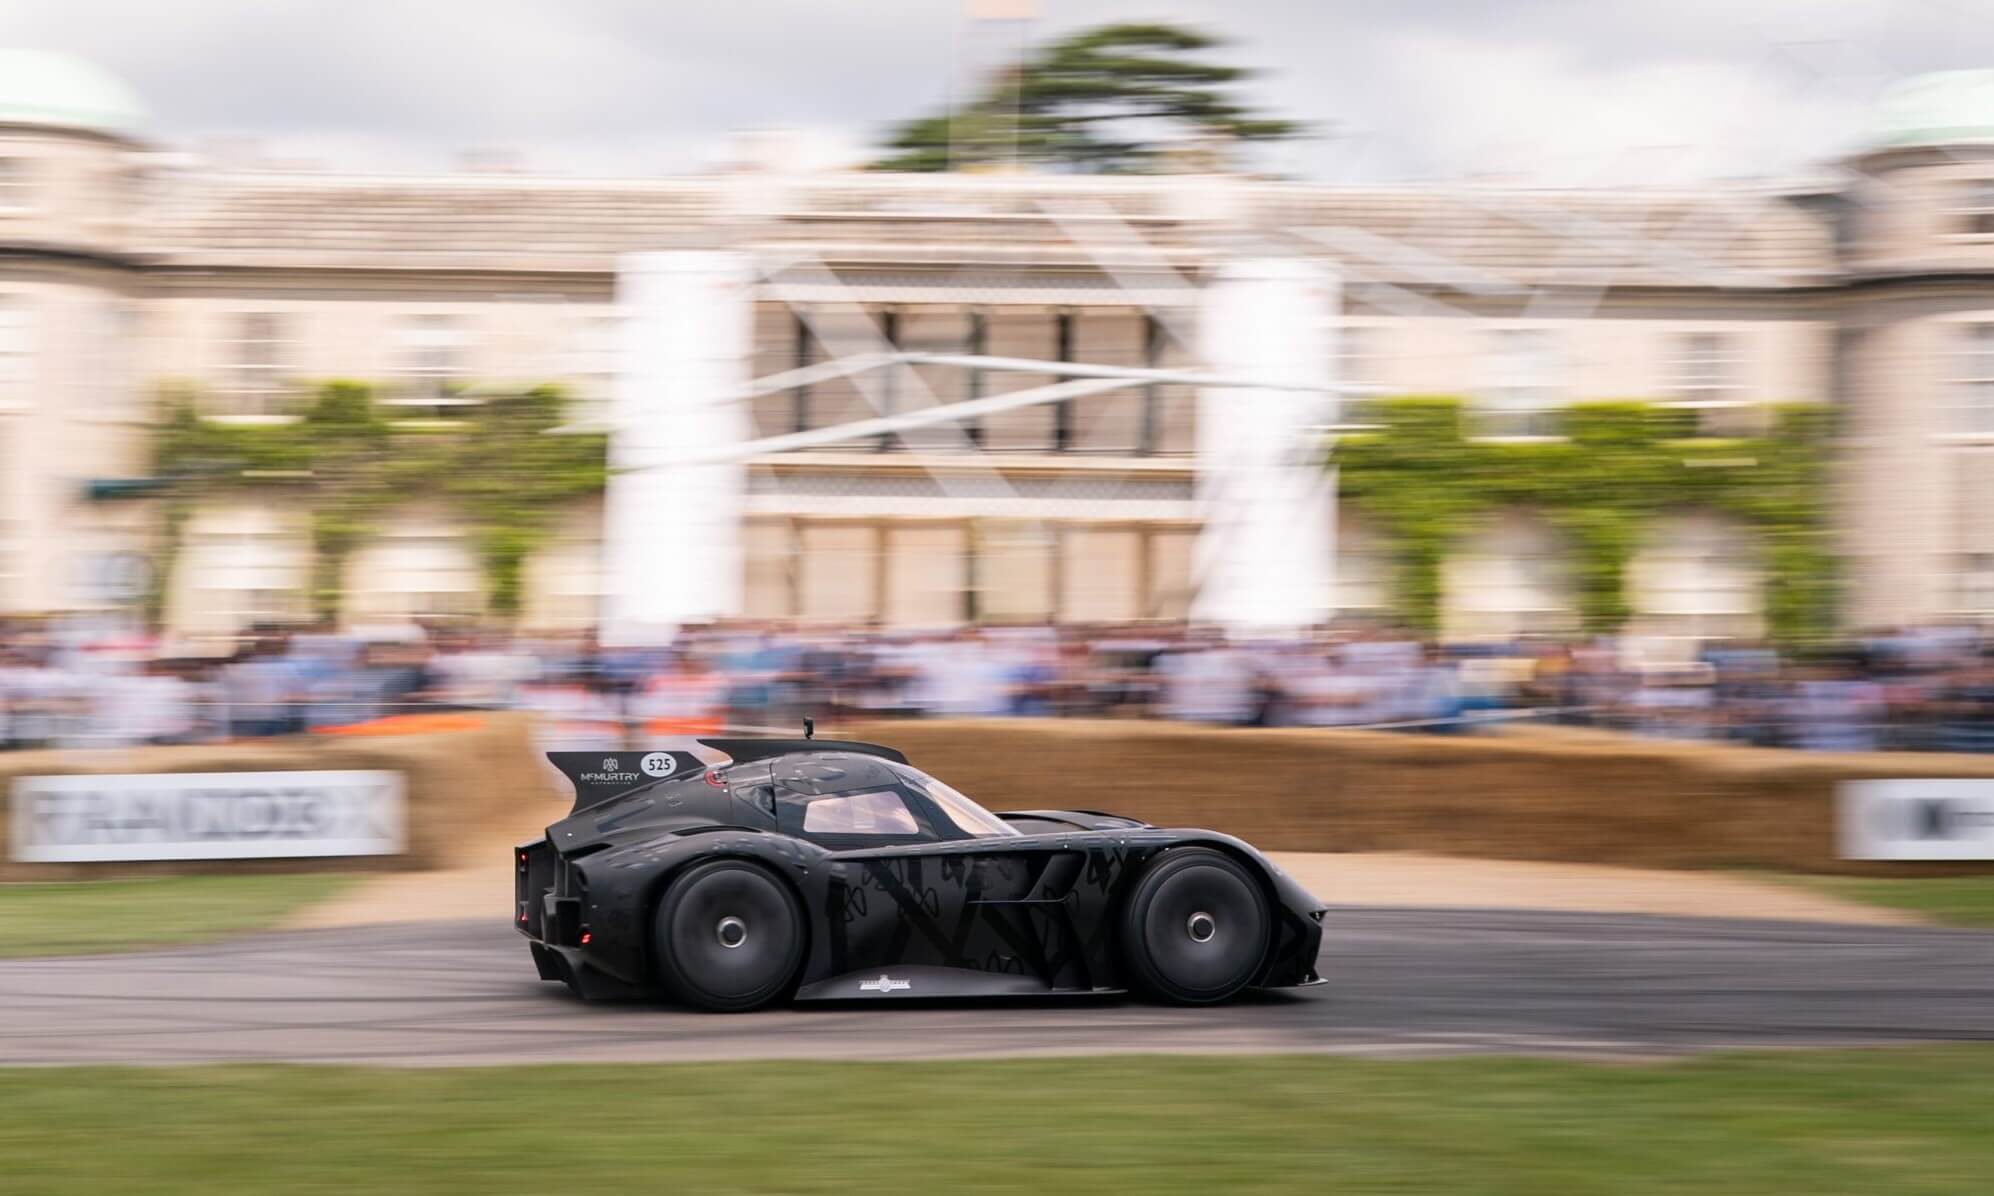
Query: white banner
1924 819
207 816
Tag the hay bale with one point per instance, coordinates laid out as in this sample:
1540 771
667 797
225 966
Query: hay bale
1592 799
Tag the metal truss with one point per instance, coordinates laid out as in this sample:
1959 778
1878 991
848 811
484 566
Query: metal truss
1085 381
860 350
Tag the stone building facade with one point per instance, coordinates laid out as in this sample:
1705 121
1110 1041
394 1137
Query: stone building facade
125 268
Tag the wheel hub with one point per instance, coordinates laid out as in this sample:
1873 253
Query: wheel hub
731 932
1202 927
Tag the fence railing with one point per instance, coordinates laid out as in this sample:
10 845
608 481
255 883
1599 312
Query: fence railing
81 726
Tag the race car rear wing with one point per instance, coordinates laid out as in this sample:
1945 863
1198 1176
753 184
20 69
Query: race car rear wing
599 776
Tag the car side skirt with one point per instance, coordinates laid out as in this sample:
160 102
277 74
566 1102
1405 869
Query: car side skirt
919 981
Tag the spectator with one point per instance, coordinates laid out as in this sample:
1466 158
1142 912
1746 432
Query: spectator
89 684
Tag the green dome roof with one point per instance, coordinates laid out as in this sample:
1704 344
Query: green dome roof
1943 108
38 87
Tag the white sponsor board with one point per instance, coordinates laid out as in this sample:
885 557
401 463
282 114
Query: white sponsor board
207 816
1923 819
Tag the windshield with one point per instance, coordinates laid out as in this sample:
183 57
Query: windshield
969 817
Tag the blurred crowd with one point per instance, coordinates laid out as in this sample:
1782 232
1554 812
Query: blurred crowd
67 684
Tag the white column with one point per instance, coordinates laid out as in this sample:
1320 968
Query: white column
672 536
1265 558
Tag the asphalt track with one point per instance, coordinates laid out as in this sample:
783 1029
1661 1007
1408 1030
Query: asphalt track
1402 982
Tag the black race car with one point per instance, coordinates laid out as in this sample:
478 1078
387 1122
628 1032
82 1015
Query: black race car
833 870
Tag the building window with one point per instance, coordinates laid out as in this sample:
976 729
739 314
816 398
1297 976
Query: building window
430 362
438 585
593 368
1706 375
415 573
259 360
16 185
113 359
1973 584
1509 578
1359 363
1697 576
1705 370
11 545
11 529
1973 381
565 582
17 333
1525 390
1012 568
244 567
1362 583
1975 214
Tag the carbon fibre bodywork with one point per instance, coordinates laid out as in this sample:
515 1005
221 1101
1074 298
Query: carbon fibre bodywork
940 912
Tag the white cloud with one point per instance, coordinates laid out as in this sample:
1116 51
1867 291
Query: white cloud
1538 111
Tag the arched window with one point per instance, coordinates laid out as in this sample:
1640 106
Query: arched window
1697 576
1511 576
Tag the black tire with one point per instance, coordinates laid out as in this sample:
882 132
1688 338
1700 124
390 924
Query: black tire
1196 927
729 937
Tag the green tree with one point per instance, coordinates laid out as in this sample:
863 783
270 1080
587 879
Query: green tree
1110 99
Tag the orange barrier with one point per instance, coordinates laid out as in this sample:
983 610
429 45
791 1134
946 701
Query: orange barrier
409 724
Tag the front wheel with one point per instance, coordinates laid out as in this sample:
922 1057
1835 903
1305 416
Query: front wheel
729 937
1195 929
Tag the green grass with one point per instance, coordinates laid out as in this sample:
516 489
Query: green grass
70 918
1947 900
1912 1121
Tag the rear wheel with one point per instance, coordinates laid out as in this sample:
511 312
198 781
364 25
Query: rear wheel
1196 926
729 936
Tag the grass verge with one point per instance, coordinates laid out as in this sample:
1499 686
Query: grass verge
79 917
1946 900
1896 1121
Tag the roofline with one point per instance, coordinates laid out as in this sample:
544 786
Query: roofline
87 132
303 177
70 255
170 264
1869 159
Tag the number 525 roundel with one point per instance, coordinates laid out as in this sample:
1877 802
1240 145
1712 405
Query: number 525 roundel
812 869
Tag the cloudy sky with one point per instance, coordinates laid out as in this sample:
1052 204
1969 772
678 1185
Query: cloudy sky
1554 90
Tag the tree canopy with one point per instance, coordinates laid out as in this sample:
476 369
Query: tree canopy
1111 99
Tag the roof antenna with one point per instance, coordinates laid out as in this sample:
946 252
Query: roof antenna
809 728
